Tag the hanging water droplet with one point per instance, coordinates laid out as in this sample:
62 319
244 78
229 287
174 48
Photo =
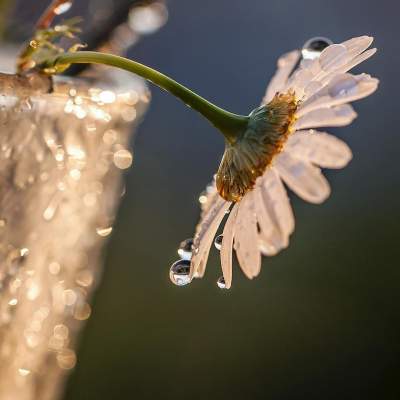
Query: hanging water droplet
63 7
313 47
221 282
179 272
218 242
185 249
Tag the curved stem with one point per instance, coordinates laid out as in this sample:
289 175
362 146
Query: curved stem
231 125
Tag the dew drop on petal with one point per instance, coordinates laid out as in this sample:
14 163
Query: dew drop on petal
218 242
221 282
179 272
185 249
313 47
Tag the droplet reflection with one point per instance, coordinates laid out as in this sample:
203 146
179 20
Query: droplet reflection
221 282
218 242
179 272
185 249
313 47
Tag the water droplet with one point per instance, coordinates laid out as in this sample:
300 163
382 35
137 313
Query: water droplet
63 7
221 282
66 359
185 249
82 312
103 232
24 371
110 136
123 159
313 47
13 302
218 242
69 297
107 96
54 268
34 44
24 252
60 331
179 272
203 197
148 19
84 278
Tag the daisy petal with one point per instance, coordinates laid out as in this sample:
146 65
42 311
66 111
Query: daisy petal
285 65
246 238
204 236
280 203
358 60
343 88
335 116
357 45
226 246
305 179
270 237
333 57
320 148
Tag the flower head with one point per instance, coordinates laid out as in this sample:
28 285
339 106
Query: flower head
246 159
282 145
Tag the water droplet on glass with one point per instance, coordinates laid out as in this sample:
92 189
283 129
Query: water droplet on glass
218 242
313 47
54 268
123 159
13 302
103 232
66 359
179 272
221 282
82 312
107 96
148 19
63 7
69 297
185 249
24 371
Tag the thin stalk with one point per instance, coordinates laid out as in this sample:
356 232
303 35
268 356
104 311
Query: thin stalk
231 125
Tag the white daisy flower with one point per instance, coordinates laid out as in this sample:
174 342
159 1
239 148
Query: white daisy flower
281 147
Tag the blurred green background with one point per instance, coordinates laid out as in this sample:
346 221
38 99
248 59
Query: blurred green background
323 319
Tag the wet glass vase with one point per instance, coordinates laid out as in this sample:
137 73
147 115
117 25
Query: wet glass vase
63 148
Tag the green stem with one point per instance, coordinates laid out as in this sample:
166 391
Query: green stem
231 125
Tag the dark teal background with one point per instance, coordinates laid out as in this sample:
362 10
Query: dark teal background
323 319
